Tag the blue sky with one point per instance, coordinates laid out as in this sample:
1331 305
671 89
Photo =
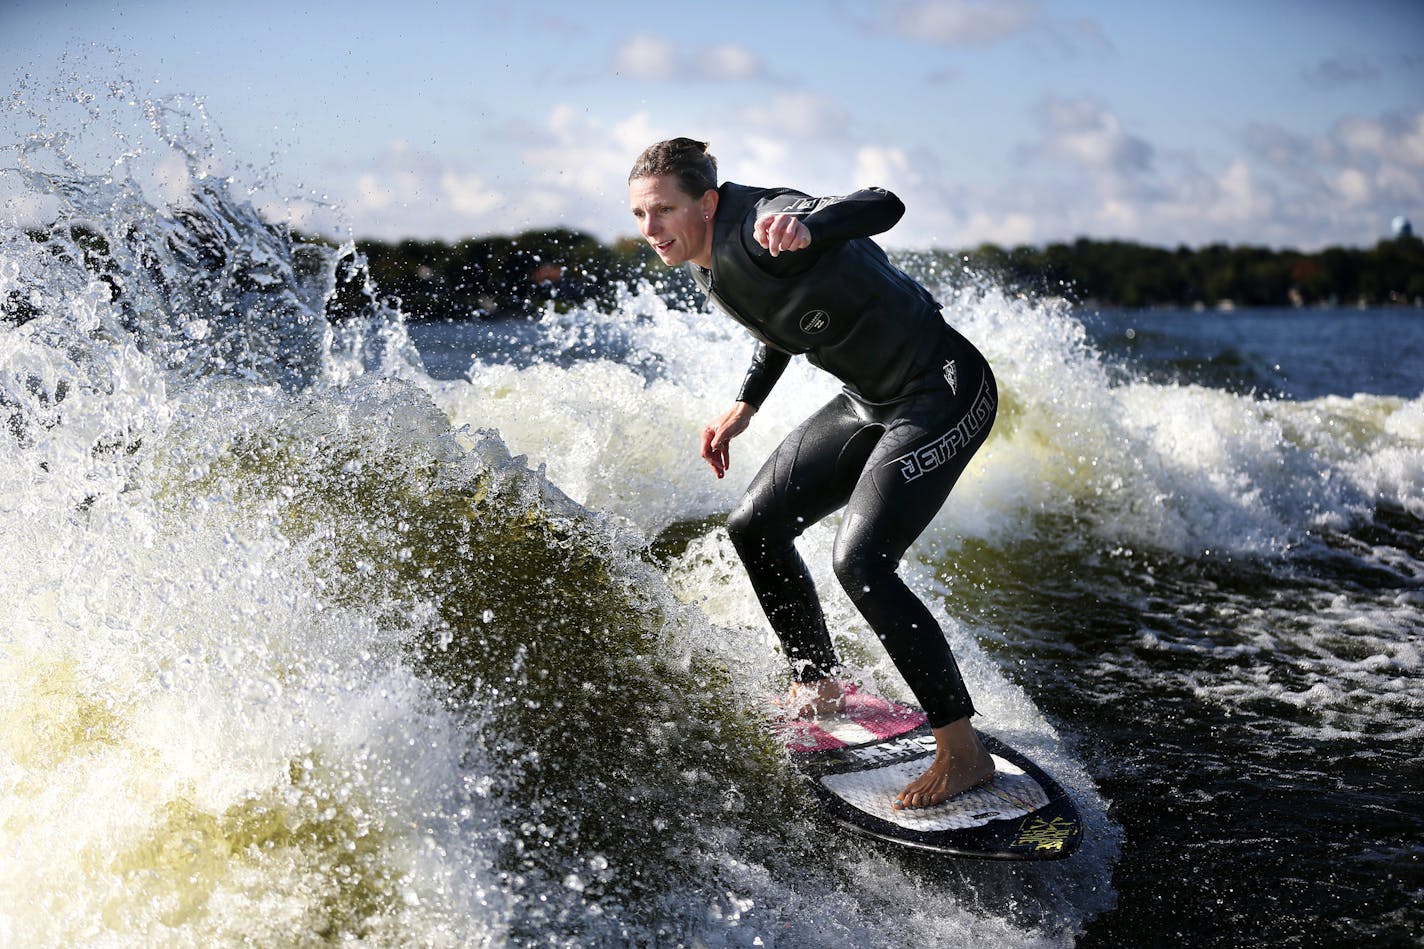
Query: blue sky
1289 124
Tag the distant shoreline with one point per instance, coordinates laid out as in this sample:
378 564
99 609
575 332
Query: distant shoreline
523 276
519 276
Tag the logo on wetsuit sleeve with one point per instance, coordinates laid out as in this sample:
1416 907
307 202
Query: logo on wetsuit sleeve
815 321
923 460
951 375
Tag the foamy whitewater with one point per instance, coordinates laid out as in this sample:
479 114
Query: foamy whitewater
301 642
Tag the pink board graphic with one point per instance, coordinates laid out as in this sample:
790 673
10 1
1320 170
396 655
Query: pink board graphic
862 719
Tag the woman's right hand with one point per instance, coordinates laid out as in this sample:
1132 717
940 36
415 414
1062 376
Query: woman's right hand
716 438
779 231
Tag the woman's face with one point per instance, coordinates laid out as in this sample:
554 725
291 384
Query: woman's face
677 225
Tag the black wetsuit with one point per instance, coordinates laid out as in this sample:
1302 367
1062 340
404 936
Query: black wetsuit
918 401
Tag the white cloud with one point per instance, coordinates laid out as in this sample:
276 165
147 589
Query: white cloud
1410 142
654 58
1237 184
1341 186
404 191
371 194
771 157
1086 132
1088 173
1119 217
568 171
753 158
1406 187
577 177
1006 230
1353 186
584 156
1362 135
798 115
1236 202
884 167
632 135
1348 181
647 57
469 193
985 23
1279 147
963 22
1395 139
731 62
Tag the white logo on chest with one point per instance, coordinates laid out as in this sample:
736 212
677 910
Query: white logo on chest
815 321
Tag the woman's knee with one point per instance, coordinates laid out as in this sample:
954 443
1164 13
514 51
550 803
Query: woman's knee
755 528
861 567
742 524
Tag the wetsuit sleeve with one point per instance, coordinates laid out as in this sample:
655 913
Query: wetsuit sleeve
863 213
767 366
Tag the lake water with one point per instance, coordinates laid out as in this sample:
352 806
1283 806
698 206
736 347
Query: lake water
1196 547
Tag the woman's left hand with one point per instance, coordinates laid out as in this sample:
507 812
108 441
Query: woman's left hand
780 231
716 438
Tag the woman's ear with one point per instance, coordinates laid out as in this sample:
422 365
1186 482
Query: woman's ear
709 204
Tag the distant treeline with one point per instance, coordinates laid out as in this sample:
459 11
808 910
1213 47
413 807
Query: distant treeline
1118 273
511 276
521 275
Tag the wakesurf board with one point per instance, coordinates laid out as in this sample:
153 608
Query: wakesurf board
858 758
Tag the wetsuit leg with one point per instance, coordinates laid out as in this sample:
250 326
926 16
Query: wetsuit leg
810 475
906 480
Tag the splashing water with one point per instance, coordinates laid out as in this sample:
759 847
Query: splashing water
290 657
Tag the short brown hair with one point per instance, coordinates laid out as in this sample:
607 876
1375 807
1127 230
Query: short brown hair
685 159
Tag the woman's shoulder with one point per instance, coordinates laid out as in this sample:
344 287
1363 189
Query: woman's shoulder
761 198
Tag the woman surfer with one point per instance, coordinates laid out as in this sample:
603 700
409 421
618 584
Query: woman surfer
802 275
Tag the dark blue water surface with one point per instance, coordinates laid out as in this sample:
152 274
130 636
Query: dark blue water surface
1296 354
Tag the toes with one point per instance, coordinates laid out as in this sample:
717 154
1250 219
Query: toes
909 800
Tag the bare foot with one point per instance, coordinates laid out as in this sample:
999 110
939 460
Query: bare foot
810 699
961 762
